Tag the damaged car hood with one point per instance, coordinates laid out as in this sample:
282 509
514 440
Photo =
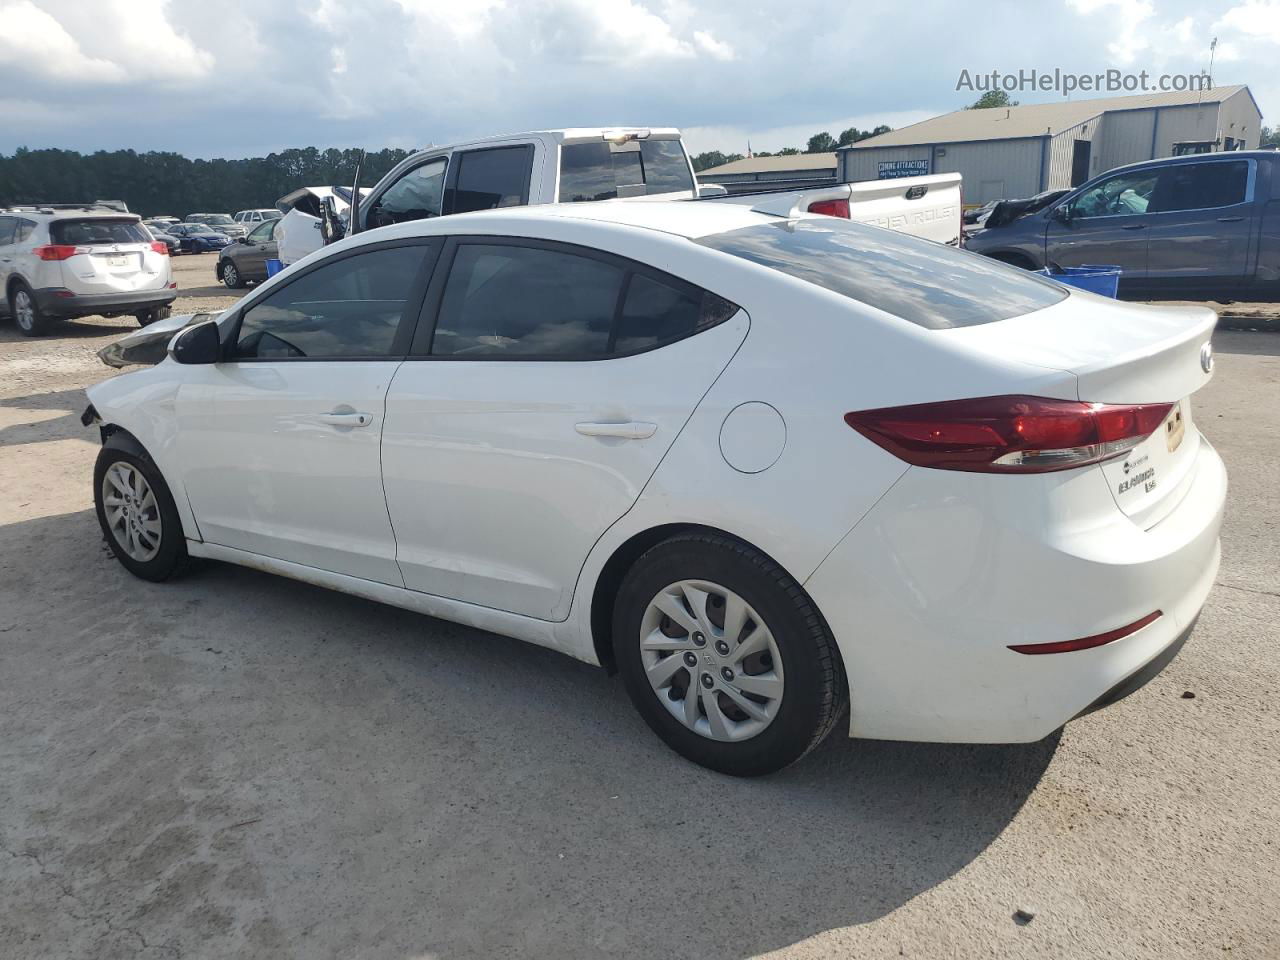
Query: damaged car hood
150 344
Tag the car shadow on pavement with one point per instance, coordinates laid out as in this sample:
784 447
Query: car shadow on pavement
1261 343
65 426
316 769
69 330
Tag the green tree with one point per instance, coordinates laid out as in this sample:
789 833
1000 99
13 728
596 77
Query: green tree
854 135
992 98
821 143
712 158
788 152
1270 137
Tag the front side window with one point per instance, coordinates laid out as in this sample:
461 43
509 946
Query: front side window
1125 195
415 196
929 284
598 170
1201 186
526 302
263 232
486 179
349 307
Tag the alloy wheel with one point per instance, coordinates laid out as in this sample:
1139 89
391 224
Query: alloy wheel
229 274
133 514
24 310
711 660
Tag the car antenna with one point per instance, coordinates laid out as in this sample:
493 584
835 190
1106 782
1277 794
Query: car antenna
354 219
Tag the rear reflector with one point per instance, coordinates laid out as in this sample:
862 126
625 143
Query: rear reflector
831 208
1084 643
1015 434
57 251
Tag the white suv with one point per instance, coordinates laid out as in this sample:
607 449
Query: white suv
66 261
251 218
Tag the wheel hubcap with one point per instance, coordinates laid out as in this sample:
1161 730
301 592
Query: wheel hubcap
729 689
133 515
229 273
24 310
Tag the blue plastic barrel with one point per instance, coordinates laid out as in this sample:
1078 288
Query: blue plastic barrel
1096 278
274 266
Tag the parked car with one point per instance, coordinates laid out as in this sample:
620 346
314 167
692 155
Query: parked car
220 222
158 233
61 261
249 218
162 219
246 260
976 215
1199 226
198 238
298 232
765 468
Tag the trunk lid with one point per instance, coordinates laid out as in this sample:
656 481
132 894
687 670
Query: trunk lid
1120 353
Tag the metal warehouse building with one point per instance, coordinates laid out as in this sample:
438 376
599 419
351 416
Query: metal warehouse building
1020 151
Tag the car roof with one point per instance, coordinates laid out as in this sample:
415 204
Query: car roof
684 218
1198 158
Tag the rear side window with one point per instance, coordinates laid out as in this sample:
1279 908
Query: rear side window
92 232
25 229
350 307
1201 186
598 171
485 179
928 284
515 301
8 227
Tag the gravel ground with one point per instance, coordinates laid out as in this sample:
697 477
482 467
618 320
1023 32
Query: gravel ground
239 765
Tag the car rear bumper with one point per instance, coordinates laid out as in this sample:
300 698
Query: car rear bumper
60 302
928 592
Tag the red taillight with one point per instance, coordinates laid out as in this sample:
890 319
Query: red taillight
1009 434
55 251
832 208
1084 643
159 247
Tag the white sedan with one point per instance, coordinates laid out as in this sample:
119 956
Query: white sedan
768 469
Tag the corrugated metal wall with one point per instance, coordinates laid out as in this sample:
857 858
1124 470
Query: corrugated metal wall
1062 153
992 169
1238 117
1125 137
1183 125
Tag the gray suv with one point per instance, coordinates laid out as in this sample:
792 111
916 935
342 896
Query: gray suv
1201 226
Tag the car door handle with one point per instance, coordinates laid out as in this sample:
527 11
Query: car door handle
347 419
632 430
1230 219
1135 226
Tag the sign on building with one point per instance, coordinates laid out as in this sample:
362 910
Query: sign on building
892 169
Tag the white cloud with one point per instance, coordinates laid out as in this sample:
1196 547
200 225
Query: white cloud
1255 20
34 40
718 49
1126 19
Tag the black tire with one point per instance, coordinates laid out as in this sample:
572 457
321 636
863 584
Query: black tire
231 276
25 311
815 693
147 317
171 556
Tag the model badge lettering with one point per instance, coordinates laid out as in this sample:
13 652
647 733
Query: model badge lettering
1137 480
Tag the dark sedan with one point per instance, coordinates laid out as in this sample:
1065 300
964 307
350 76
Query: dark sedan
246 260
197 238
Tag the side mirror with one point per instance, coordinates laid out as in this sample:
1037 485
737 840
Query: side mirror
1062 213
196 344
331 228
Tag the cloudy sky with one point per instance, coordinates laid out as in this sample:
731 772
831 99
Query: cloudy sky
244 77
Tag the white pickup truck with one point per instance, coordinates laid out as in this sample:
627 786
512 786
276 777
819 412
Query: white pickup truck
589 164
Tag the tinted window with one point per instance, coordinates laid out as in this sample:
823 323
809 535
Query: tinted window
347 308
505 300
491 178
595 171
90 232
654 312
415 196
8 226
1126 195
925 283
1199 186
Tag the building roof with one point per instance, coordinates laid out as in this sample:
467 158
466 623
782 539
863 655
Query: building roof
1032 120
794 161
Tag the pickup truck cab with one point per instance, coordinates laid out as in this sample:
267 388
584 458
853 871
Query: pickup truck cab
1198 226
546 166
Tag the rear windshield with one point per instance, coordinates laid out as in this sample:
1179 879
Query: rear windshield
595 171
88 232
929 284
